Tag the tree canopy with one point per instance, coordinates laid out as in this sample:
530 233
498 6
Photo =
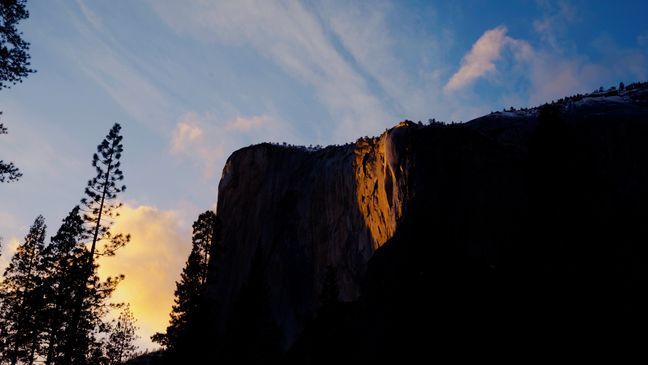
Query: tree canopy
14 56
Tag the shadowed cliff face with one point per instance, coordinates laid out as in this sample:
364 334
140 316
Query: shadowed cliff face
514 219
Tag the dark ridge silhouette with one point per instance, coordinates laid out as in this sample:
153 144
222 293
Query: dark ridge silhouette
53 304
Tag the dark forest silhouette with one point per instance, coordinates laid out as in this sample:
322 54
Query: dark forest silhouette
53 305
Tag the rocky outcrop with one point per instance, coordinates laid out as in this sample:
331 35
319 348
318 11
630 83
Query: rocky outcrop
299 211
514 207
381 167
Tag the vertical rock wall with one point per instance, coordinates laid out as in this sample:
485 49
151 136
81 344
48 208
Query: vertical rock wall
296 211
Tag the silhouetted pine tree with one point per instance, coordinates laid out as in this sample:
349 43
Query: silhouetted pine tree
187 317
22 301
100 209
120 344
63 261
101 194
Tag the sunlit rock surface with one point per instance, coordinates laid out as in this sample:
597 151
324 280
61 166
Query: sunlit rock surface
302 210
437 225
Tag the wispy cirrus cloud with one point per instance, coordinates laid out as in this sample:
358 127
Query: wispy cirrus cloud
363 31
116 69
254 122
292 36
556 18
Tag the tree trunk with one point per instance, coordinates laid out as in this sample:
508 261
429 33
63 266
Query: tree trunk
33 350
50 349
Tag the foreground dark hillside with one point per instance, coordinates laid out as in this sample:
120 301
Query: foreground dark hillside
520 231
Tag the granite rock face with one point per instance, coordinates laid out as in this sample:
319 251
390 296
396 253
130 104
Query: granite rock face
514 207
300 211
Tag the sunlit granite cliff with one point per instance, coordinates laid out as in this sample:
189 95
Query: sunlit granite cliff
447 229
299 211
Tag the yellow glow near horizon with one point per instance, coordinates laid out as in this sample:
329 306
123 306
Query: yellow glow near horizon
151 262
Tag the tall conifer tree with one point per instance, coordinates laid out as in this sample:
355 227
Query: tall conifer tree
22 301
63 261
100 208
186 315
120 344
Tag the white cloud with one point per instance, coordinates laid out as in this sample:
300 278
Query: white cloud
206 139
480 60
550 71
184 135
190 140
245 124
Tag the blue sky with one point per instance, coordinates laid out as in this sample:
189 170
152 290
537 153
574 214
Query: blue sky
192 81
